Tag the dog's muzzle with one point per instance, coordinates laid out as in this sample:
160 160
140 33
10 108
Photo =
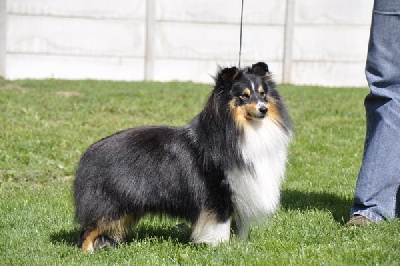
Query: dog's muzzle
262 109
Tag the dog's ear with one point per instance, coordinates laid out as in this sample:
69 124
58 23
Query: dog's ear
228 75
260 68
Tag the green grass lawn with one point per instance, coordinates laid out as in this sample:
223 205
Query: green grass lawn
46 125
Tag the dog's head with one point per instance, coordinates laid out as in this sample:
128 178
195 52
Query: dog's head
247 90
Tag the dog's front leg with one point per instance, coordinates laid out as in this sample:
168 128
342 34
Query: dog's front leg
210 230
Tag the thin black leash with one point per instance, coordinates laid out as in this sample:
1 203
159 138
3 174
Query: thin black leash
241 27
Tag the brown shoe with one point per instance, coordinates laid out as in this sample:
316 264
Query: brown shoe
358 220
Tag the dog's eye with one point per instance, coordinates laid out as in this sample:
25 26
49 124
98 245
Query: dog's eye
244 96
263 95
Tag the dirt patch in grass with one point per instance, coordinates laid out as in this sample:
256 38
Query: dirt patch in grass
69 93
9 86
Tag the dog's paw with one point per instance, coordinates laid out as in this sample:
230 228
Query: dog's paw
104 242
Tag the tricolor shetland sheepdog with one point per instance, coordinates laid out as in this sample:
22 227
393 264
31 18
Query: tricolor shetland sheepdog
222 170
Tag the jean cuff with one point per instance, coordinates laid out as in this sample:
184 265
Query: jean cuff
367 214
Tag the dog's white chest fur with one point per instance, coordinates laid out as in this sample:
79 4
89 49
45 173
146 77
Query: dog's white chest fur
256 187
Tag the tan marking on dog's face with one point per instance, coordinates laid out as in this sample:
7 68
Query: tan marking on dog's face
251 110
273 112
244 113
261 90
247 92
239 113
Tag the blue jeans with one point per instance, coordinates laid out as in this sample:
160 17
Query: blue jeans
377 194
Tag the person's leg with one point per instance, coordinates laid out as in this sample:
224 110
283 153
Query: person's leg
379 178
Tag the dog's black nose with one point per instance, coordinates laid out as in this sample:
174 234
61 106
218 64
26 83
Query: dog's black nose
263 109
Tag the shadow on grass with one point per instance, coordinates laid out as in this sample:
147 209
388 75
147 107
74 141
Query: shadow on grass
142 232
68 237
160 233
290 200
299 200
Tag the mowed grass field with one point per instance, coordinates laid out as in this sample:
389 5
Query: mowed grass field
46 125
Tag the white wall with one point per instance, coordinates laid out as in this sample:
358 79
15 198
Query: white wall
75 39
3 17
321 42
330 42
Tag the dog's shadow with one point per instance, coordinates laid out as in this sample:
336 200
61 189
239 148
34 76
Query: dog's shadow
338 206
159 233
142 232
67 237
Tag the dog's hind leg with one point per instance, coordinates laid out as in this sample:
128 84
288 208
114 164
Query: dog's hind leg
240 228
87 237
210 230
106 234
